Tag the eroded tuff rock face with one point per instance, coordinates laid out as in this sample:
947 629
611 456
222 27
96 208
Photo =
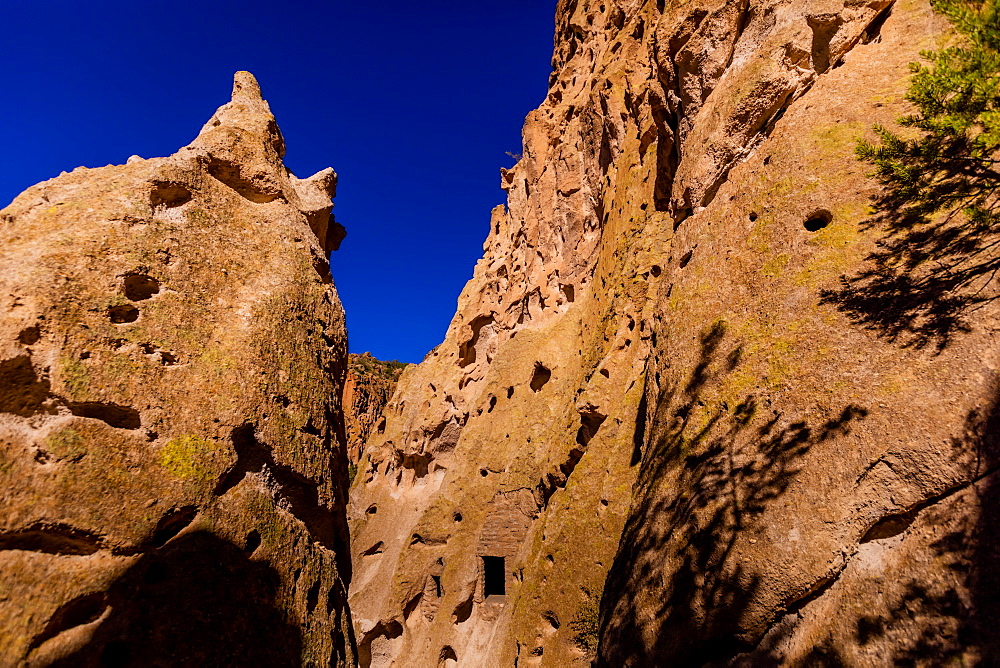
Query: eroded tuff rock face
645 397
172 482
369 386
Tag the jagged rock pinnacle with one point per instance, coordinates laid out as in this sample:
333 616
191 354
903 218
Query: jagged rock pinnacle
141 456
245 85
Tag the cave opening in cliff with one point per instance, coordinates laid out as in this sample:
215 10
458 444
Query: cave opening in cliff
494 577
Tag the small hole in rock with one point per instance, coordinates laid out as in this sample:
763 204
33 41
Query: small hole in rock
29 336
540 377
605 373
114 415
818 220
510 391
83 610
139 287
252 542
123 314
655 271
753 217
171 524
169 195
168 359
483 472
686 258
312 597
372 509
457 517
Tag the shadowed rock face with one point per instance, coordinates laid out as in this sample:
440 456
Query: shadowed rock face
172 467
644 401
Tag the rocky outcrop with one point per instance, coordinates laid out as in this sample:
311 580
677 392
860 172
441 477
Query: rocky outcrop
367 389
648 396
172 352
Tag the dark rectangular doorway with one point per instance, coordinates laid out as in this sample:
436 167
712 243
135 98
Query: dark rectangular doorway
494 577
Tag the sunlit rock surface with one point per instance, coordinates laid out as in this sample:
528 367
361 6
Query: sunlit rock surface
645 412
172 351
367 389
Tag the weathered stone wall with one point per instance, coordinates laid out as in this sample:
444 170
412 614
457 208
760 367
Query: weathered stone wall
653 350
367 389
172 351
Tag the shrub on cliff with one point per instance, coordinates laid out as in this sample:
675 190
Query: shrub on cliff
951 166
586 624
941 203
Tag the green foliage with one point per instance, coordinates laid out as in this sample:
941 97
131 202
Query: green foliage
939 207
367 366
951 165
586 624
352 473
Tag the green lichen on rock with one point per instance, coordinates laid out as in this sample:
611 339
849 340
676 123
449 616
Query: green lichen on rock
74 375
185 457
66 444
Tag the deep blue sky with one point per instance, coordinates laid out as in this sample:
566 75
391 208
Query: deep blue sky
414 105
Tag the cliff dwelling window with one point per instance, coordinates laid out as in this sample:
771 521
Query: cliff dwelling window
494 577
818 220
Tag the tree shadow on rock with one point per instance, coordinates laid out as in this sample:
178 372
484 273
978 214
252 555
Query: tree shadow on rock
946 609
940 204
709 469
945 626
924 279
198 601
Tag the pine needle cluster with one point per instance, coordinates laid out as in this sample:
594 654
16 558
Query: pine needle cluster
940 206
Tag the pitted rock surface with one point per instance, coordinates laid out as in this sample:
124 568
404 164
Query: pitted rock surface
172 352
643 404
368 388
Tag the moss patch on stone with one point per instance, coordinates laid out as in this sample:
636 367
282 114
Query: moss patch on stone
185 457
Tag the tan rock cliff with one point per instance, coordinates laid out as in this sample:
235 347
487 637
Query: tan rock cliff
172 351
367 389
644 398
